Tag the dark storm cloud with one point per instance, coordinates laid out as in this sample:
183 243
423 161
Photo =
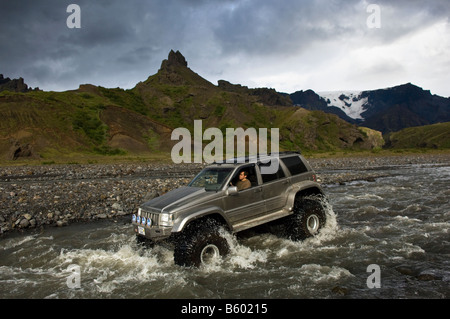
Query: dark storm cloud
265 26
123 42
262 27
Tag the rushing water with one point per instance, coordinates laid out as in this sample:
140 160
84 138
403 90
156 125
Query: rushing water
399 223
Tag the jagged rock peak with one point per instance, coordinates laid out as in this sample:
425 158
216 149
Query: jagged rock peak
174 59
15 85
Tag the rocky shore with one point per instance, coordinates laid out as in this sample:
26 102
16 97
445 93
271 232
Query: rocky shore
59 195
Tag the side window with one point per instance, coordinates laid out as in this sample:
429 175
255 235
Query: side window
294 164
250 175
271 177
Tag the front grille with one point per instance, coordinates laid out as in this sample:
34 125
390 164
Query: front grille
153 216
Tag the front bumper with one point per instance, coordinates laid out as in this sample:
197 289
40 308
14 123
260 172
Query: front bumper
152 224
152 233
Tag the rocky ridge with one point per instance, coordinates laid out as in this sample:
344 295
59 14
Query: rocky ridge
114 121
14 85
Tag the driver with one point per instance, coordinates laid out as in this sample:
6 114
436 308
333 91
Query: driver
243 182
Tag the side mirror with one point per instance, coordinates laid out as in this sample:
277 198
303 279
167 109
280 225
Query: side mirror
232 190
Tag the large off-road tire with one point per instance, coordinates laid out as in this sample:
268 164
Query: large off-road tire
308 218
200 244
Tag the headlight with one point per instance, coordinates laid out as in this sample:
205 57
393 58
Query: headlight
166 219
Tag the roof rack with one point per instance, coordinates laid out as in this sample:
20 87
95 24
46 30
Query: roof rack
255 158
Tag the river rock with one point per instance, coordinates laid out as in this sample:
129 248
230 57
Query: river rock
116 206
24 223
424 276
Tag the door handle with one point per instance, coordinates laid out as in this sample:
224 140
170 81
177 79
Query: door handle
257 190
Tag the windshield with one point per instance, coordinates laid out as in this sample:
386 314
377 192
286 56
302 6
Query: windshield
212 179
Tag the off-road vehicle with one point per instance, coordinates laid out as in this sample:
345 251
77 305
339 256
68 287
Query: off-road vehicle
193 217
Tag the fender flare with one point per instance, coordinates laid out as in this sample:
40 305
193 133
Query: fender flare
188 217
309 187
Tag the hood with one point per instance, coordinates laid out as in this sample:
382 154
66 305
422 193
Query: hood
175 198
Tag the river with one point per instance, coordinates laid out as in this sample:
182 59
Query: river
386 238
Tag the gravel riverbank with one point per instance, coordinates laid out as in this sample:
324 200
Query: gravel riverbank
59 195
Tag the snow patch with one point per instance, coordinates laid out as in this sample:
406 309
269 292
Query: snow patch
350 102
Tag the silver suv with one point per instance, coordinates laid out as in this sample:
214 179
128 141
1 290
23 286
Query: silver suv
234 195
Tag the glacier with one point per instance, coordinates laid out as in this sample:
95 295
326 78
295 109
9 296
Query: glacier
351 102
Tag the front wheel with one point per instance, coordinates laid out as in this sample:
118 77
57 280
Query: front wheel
308 218
200 244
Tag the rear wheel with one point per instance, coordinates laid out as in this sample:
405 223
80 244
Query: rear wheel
308 218
200 244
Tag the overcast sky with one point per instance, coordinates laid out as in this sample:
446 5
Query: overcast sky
288 45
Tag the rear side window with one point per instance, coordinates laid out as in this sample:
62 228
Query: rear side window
271 177
295 165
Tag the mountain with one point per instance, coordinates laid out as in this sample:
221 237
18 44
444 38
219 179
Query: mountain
386 110
109 121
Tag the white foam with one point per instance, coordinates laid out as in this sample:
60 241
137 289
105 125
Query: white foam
324 273
15 242
242 256
408 249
